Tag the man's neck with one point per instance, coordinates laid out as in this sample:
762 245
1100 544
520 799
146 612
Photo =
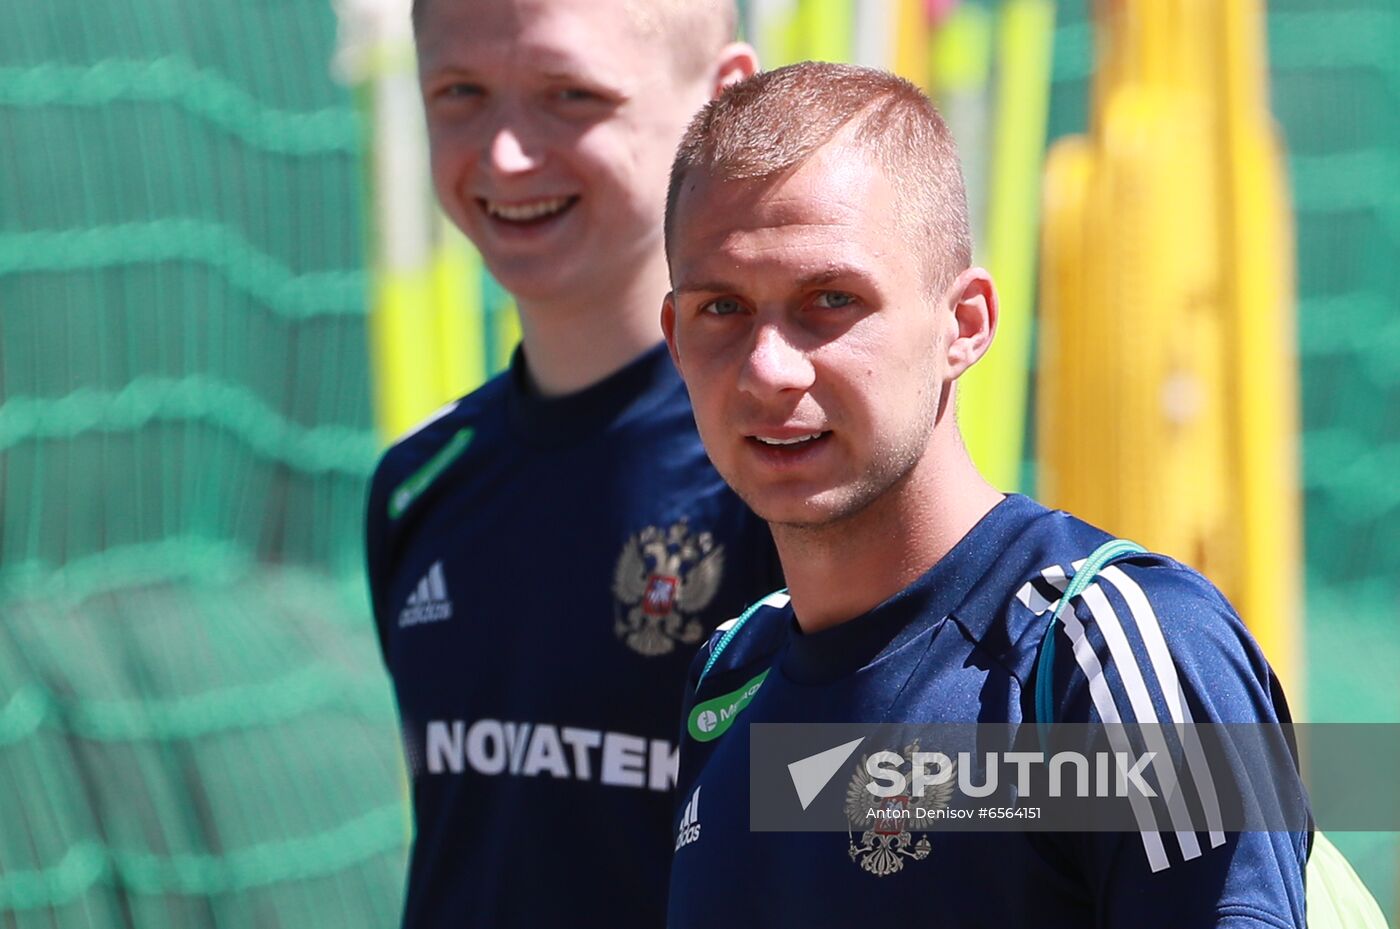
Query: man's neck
835 573
577 340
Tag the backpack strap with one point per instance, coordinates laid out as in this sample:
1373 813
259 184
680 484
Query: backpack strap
1100 558
733 630
1336 897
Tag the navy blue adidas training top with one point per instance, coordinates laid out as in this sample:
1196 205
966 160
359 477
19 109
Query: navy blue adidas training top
1150 640
542 572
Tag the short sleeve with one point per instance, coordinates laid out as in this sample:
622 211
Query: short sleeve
1155 643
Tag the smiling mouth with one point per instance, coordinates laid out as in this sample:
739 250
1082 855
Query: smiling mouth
527 214
794 442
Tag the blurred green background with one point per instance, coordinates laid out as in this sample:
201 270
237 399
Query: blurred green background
195 726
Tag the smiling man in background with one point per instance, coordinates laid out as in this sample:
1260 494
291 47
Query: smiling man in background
546 554
824 306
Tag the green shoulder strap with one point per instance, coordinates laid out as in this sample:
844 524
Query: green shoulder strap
1099 559
731 632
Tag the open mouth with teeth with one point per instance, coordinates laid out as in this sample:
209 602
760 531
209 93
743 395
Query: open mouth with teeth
796 443
534 213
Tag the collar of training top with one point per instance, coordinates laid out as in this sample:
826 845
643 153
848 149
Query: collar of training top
833 653
554 421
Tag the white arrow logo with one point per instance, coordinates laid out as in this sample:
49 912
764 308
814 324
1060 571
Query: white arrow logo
811 774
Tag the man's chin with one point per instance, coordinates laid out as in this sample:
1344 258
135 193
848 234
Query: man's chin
533 280
808 513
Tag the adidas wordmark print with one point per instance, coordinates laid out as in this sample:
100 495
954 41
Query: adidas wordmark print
429 602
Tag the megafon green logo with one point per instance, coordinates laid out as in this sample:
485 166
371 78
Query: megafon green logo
712 719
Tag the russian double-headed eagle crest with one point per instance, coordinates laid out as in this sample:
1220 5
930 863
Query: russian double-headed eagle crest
664 578
886 840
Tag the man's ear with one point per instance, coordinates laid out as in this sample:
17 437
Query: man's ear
668 328
735 62
972 297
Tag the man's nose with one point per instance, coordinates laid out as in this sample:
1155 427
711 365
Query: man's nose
513 150
775 364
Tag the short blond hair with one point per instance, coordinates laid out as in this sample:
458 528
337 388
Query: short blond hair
774 121
697 29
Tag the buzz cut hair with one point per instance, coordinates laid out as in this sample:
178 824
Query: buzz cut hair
773 122
697 29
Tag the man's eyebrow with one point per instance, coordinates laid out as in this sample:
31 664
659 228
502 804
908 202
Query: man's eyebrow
832 273
815 279
703 287
565 73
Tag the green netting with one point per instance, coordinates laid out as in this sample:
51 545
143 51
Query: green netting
195 727
1335 86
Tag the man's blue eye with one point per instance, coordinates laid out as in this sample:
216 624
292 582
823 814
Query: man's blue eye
724 306
834 299
576 94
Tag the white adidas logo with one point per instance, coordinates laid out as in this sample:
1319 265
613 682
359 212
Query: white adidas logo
429 602
689 829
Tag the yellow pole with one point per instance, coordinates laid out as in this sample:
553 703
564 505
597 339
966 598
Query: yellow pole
992 396
825 28
1169 394
775 32
1132 440
911 39
1264 390
406 371
1065 265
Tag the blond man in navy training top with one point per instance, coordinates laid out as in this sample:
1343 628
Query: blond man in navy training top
547 554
